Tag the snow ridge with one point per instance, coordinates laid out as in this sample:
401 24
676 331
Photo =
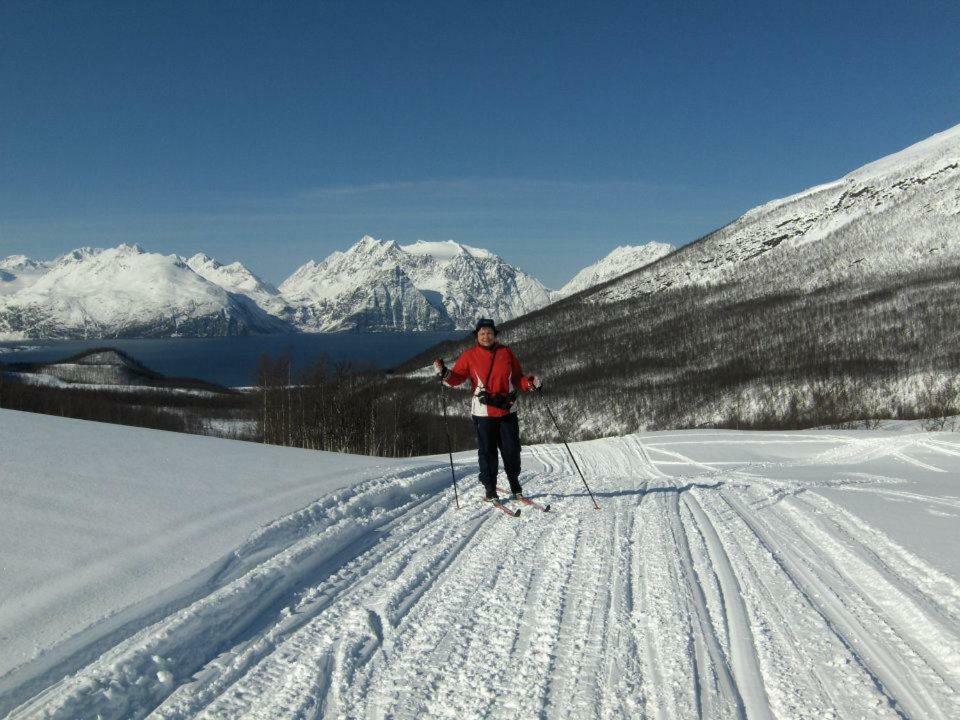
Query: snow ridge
899 212
621 260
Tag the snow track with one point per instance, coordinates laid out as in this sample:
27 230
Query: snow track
704 588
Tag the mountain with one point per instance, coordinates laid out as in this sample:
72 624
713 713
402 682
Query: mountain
236 278
126 292
380 285
620 261
833 304
896 214
18 272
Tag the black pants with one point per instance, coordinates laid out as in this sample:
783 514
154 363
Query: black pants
495 433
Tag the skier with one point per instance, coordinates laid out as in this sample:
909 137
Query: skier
495 377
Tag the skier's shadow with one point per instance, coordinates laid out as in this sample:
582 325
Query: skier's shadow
641 492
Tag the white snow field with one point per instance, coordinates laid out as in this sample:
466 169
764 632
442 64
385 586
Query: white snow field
727 575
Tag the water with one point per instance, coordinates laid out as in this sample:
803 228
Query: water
233 360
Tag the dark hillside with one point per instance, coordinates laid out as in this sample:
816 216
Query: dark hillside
722 356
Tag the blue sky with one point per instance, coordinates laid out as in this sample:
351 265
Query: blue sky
547 132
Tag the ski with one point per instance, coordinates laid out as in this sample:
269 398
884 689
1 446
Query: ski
528 501
500 506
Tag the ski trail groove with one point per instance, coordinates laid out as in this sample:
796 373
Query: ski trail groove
906 698
700 615
746 669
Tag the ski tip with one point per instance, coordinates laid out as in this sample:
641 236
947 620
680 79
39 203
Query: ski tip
516 513
546 508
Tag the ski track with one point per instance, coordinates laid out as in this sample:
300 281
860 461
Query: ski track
699 590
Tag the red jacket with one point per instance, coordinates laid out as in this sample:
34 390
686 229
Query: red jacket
505 375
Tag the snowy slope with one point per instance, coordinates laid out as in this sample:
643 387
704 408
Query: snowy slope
378 284
900 213
238 279
619 261
125 291
95 518
727 575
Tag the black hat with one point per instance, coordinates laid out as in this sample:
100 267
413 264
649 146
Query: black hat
485 322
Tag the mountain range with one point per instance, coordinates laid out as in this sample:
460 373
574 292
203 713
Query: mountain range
121 292
898 214
375 285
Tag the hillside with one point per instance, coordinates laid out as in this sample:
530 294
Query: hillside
108 385
834 304
899 214
727 575
100 367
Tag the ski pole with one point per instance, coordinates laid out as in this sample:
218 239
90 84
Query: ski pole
446 430
553 417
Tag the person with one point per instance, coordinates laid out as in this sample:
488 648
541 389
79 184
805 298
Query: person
495 376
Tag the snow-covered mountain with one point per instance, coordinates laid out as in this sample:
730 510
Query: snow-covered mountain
620 261
126 292
896 214
18 272
380 285
238 279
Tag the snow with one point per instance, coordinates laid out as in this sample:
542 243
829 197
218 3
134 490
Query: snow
620 260
95 517
236 278
18 272
728 574
941 147
444 251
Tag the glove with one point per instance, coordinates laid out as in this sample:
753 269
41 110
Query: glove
535 381
441 369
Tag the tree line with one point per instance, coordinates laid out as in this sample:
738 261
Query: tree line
343 407
339 407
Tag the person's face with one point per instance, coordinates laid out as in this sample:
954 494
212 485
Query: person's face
486 337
